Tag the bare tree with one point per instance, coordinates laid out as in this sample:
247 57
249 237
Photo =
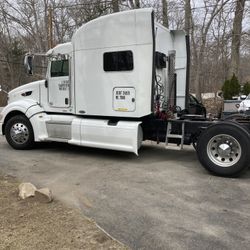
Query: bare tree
133 4
187 16
236 38
115 5
165 13
198 49
137 4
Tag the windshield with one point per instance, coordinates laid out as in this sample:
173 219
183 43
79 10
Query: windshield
248 97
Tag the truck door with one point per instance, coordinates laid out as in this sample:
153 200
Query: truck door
59 83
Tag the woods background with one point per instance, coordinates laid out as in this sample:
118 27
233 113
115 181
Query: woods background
218 29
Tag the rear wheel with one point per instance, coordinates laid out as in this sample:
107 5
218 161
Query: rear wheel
19 132
223 149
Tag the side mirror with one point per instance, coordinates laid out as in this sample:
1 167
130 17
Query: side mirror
28 63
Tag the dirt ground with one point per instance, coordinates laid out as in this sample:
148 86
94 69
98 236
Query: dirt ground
27 224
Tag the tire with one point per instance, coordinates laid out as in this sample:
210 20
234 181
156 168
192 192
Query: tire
223 149
19 132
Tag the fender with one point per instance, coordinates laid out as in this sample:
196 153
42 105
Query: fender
28 107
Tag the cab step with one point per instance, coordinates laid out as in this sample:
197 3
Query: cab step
177 136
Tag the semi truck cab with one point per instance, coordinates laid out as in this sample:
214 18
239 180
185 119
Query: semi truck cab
121 80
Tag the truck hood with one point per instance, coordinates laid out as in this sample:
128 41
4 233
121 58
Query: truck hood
27 86
27 91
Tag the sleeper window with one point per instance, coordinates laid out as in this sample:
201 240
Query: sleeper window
59 68
118 61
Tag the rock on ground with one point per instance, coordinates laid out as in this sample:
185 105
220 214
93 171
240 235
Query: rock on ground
26 190
43 195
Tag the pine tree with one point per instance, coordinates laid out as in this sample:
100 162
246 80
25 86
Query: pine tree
246 88
231 88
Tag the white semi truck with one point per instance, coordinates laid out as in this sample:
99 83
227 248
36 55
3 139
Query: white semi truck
122 79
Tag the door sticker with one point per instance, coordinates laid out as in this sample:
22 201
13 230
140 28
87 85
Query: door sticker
63 85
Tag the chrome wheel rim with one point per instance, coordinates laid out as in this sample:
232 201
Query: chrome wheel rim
19 133
224 150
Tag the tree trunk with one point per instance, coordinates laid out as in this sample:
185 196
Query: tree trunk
187 16
137 4
115 5
165 13
131 3
236 38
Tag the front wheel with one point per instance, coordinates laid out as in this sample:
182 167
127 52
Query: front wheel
19 132
223 149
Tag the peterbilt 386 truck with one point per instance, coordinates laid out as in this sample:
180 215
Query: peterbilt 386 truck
121 80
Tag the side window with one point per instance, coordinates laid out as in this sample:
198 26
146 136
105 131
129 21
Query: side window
118 61
59 68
